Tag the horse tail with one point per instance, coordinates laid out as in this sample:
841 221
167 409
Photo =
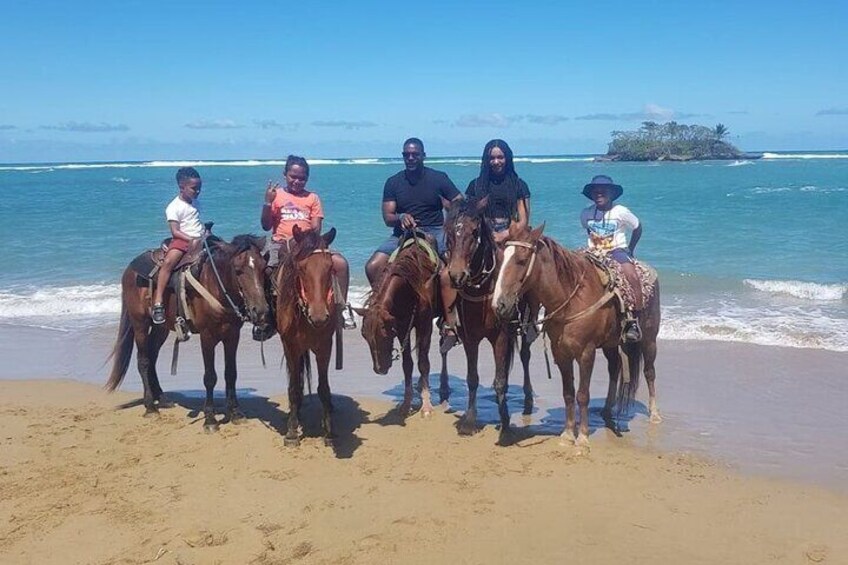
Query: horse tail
628 377
121 351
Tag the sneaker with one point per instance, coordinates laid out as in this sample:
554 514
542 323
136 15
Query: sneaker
632 332
158 314
349 322
448 341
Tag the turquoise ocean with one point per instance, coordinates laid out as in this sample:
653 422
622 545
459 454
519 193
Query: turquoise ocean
748 251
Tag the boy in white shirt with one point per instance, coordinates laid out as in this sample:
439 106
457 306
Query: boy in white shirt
606 224
184 221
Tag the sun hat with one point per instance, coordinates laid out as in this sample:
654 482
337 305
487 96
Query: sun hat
605 182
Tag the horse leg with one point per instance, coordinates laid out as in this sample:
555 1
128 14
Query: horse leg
614 366
407 364
157 338
468 424
423 335
231 342
649 355
444 386
140 331
566 370
586 364
500 348
525 365
295 362
210 378
322 359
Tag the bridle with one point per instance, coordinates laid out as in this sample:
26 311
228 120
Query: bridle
479 279
302 302
238 311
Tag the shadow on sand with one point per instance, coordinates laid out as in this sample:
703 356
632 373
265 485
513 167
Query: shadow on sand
551 423
348 416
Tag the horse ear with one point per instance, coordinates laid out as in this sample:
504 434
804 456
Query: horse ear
260 242
536 234
329 237
297 233
361 311
482 203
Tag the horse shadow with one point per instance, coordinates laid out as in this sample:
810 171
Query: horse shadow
551 423
348 416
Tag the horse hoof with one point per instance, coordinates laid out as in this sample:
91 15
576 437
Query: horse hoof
655 418
582 441
467 430
567 438
506 438
210 428
291 441
237 418
328 442
151 413
165 402
427 414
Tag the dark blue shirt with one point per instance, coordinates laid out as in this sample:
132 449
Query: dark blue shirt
420 195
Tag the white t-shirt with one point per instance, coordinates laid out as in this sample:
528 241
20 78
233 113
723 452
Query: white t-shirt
607 229
187 215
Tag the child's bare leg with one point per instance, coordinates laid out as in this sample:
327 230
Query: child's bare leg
172 257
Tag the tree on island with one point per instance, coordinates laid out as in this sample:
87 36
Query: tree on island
672 142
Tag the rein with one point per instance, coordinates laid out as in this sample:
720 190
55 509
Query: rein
232 304
302 303
606 297
404 343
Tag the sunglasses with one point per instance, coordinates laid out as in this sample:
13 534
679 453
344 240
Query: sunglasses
407 154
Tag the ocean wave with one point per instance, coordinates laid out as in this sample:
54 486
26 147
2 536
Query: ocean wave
120 179
800 289
772 156
83 300
779 328
739 163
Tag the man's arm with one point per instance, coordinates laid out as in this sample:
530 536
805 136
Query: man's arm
392 218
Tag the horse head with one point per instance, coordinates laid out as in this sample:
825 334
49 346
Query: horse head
249 267
516 269
313 266
378 329
468 236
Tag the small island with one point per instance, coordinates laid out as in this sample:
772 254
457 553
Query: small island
673 142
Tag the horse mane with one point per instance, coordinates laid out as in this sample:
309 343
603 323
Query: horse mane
245 241
412 265
310 241
565 261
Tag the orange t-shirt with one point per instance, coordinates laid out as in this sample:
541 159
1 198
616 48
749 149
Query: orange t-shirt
289 210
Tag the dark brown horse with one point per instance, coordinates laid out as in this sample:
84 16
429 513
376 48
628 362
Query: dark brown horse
307 317
239 295
473 265
581 316
406 298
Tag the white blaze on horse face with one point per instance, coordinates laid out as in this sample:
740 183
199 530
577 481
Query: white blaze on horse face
509 253
250 263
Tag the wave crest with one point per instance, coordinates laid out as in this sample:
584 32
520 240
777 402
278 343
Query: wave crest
800 289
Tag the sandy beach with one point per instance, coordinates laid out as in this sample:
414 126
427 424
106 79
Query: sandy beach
85 479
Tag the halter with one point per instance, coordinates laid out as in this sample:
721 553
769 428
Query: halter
477 280
533 248
302 303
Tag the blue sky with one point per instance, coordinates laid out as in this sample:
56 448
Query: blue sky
220 80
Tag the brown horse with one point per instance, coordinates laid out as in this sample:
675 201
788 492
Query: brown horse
580 317
406 298
307 317
233 275
473 267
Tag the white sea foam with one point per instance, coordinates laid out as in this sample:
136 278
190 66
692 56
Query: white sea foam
773 156
800 289
120 179
740 163
84 300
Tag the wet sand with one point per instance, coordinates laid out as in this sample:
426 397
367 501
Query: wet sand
748 466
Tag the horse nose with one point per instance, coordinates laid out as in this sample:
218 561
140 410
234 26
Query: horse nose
457 279
503 308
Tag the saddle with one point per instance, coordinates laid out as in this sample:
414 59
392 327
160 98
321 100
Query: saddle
422 240
146 267
609 272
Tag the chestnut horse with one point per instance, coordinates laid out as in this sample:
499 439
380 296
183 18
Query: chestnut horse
238 291
473 264
581 316
406 298
307 318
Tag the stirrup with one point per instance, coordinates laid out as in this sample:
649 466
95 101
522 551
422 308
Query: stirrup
348 321
632 332
181 327
158 314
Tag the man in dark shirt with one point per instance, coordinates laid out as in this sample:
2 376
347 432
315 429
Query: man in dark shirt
413 198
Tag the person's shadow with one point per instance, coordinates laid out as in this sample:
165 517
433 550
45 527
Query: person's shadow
347 415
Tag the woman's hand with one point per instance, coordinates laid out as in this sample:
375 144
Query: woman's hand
271 191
